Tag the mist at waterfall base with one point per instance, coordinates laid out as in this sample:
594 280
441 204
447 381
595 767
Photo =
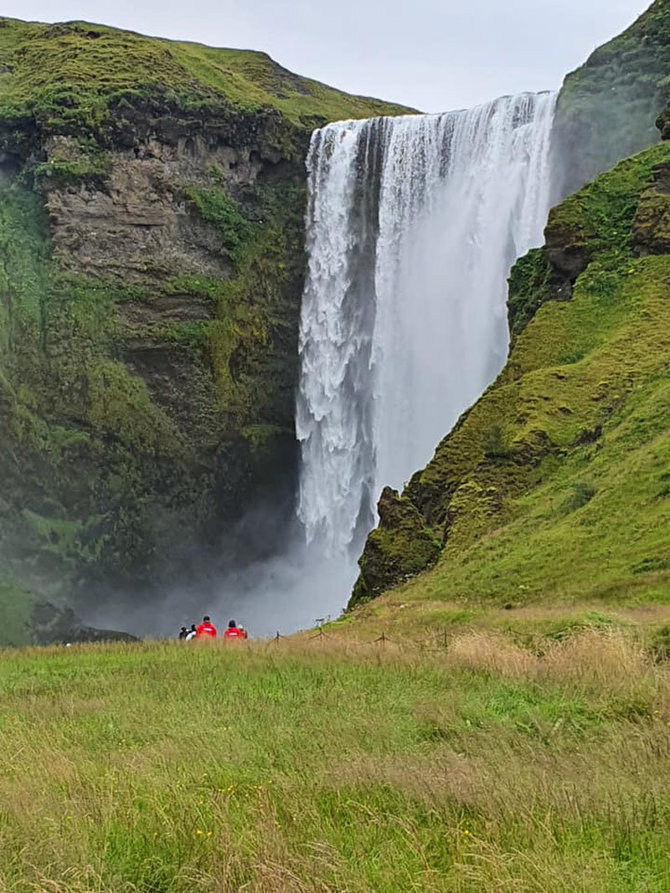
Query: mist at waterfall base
285 593
413 224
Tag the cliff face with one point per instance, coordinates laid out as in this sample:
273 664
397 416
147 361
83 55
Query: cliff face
151 263
607 109
555 484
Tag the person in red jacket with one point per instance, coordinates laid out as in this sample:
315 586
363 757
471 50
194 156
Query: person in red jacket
235 632
206 630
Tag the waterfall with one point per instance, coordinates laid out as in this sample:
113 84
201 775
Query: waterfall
413 224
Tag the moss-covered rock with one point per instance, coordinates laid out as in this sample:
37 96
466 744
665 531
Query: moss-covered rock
607 109
534 281
16 607
400 547
651 227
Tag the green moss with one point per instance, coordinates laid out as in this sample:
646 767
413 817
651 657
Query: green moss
496 449
254 337
217 208
651 228
72 76
199 287
194 332
66 539
23 283
401 547
599 219
121 407
92 169
530 286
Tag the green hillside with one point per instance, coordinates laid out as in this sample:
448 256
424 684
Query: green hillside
555 486
74 73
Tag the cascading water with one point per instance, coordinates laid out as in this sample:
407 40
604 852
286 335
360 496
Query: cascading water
413 224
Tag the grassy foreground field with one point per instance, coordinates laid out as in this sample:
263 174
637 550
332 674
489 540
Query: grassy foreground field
319 765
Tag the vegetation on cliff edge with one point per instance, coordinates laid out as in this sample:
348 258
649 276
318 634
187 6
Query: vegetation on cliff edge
69 76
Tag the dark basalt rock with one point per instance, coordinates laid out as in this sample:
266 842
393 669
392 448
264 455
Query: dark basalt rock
60 626
401 547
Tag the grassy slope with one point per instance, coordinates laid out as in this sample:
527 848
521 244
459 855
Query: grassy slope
78 68
300 768
555 486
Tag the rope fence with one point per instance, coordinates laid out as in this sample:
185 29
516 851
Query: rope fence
434 643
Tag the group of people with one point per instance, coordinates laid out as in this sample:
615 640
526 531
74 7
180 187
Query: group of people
207 630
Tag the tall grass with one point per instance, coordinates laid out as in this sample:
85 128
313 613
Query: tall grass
319 766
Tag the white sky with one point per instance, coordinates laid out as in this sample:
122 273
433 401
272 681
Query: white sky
433 55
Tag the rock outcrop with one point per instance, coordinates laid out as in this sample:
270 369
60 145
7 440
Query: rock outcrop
399 548
608 107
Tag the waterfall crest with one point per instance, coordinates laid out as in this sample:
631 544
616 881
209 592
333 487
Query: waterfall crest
413 224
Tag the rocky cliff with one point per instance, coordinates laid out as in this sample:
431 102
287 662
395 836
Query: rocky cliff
556 484
151 262
607 109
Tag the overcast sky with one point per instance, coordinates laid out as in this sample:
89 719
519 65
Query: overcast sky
434 55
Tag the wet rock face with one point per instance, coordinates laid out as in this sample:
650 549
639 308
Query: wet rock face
400 547
136 223
151 352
